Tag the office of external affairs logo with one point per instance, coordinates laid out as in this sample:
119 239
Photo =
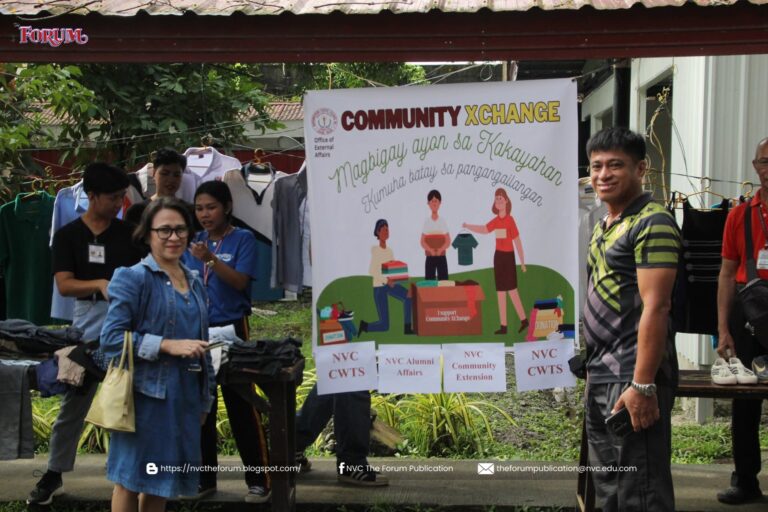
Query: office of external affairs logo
54 37
324 121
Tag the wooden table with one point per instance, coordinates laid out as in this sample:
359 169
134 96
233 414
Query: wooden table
693 383
281 392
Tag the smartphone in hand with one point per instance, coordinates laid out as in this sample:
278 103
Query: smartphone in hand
619 423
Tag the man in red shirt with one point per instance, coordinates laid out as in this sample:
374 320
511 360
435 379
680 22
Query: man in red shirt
737 340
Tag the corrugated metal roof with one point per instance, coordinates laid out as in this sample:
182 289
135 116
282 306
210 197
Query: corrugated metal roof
272 7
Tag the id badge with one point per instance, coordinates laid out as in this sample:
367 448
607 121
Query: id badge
500 233
97 253
762 259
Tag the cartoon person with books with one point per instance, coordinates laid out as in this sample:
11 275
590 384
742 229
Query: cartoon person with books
504 228
386 273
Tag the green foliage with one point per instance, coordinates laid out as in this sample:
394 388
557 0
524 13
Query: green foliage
147 106
349 75
440 424
701 444
29 93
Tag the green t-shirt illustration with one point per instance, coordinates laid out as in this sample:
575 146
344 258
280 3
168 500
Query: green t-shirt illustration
464 243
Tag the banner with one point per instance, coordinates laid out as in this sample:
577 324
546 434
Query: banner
443 214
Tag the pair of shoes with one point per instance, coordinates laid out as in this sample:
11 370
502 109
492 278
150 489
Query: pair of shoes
203 491
731 372
523 325
363 476
502 330
738 495
257 494
48 487
407 329
362 328
760 367
304 464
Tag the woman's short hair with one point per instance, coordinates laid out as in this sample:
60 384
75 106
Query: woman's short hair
220 192
144 228
503 193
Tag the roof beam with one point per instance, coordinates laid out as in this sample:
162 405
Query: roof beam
585 33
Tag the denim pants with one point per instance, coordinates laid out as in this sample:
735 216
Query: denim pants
381 296
75 403
351 423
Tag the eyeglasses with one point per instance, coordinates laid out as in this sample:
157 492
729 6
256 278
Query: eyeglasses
761 163
165 232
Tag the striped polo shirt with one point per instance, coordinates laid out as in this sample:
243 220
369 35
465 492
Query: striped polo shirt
645 235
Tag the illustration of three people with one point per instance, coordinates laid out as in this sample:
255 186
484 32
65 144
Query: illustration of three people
435 240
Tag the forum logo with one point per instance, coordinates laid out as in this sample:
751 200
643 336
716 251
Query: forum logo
53 37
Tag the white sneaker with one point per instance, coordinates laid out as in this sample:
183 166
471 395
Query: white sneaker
722 373
743 375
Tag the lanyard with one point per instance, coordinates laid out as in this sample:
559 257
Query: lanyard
207 270
761 214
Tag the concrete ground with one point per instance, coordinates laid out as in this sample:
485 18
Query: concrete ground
448 484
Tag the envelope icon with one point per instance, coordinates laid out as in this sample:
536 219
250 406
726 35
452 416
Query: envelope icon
485 468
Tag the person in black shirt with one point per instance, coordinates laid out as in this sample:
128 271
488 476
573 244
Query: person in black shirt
86 253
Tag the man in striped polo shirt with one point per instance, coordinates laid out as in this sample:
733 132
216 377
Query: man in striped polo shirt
631 357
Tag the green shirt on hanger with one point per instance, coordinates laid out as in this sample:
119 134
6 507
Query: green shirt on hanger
25 257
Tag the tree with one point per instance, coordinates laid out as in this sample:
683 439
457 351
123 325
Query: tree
146 106
31 95
293 80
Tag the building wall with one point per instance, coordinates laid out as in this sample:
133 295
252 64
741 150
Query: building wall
719 113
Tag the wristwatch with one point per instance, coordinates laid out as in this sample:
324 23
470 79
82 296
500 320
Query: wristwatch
210 263
644 389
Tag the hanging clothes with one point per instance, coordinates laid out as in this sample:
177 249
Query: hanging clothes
70 203
287 239
25 226
258 218
465 243
306 244
244 206
591 210
208 164
695 299
17 439
260 178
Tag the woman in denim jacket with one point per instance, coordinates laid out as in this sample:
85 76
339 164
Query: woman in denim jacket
165 306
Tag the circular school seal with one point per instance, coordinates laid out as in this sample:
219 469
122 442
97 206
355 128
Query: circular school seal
324 121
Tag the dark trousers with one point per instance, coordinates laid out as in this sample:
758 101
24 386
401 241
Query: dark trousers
351 423
745 414
247 429
436 267
649 487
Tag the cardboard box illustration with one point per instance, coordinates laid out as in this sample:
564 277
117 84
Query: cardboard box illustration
447 311
331 332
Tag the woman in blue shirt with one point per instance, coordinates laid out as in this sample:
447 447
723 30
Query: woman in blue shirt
165 307
225 257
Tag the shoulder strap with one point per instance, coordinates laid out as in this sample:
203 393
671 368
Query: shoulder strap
751 267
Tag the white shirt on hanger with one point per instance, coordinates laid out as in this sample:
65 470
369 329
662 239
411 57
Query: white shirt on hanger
208 164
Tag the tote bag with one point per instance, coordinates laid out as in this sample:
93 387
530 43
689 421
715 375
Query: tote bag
112 407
